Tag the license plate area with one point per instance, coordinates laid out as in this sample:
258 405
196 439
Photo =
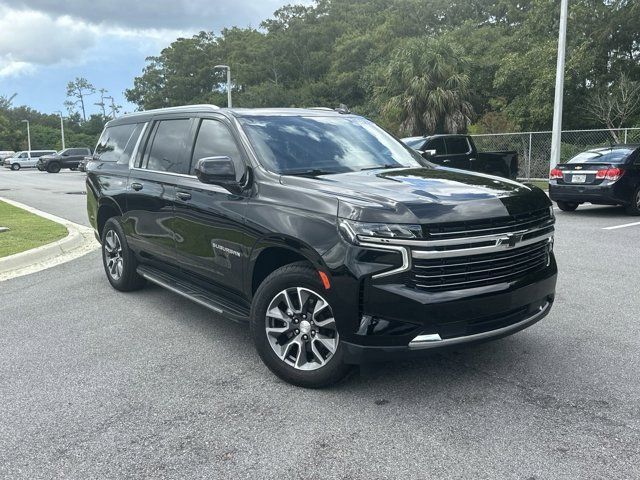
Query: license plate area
582 178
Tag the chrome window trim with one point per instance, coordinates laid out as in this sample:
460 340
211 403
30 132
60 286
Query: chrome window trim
164 173
136 148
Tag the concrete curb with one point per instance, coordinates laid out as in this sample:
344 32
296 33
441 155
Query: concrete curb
77 243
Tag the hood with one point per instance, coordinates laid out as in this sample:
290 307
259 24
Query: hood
426 195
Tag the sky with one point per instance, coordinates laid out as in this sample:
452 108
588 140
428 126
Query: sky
46 43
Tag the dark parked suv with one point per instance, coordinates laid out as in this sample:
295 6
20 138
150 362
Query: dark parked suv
68 158
337 243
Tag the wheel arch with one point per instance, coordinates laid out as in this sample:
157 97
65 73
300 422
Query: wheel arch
271 253
108 208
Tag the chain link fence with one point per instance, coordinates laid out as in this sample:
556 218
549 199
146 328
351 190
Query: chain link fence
534 148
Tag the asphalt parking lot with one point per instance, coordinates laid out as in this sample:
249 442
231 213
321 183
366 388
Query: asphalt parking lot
100 384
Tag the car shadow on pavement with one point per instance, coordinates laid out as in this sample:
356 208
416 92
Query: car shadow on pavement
419 379
596 211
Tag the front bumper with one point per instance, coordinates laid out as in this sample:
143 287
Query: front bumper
408 323
597 194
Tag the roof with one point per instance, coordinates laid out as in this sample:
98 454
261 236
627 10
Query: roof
236 112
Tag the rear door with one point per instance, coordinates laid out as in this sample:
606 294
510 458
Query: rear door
211 241
151 190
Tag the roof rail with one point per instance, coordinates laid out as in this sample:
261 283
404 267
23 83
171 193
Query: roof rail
326 109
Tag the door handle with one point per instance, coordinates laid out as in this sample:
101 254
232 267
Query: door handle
136 186
446 161
183 196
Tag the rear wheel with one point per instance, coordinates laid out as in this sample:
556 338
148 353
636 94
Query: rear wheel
634 207
118 260
53 167
567 206
15 166
294 329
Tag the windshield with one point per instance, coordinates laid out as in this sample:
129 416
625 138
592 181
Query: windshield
322 145
603 155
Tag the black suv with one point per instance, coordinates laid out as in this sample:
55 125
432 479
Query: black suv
337 243
67 158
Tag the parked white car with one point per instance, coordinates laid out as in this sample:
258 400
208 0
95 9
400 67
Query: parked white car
25 159
6 154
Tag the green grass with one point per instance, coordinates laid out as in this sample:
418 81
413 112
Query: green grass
543 184
26 230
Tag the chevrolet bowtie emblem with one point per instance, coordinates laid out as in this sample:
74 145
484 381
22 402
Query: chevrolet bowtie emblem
512 239
578 167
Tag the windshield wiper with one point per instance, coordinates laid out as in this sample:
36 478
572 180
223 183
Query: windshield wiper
310 173
386 166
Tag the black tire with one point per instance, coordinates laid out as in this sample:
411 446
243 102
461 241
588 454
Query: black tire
73 169
290 277
53 167
15 167
125 279
634 207
567 206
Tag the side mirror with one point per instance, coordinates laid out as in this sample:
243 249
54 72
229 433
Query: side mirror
218 171
65 154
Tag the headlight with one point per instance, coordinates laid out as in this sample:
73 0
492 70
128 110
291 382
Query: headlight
552 213
354 231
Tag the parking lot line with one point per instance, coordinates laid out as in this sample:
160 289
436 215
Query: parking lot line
622 226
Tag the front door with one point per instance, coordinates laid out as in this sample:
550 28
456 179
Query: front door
211 241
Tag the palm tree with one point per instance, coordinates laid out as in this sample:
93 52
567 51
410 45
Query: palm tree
426 88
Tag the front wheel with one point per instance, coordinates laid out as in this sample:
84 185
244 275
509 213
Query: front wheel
53 167
15 166
634 207
294 328
567 206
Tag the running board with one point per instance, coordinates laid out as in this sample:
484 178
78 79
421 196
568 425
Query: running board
196 294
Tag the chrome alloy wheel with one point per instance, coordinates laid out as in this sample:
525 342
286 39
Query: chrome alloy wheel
113 255
301 329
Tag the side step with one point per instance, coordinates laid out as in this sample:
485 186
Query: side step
197 294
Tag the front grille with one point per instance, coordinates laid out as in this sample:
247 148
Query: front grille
461 272
476 228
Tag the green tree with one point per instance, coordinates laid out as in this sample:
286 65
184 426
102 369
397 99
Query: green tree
426 88
77 91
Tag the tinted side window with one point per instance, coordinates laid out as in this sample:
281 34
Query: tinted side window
117 143
215 140
169 147
457 146
78 151
436 144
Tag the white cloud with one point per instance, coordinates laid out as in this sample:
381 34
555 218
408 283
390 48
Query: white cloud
40 33
30 39
163 14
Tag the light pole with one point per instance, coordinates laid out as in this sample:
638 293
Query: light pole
556 136
228 69
61 127
28 136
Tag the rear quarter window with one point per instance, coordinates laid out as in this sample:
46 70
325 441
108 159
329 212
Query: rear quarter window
116 143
